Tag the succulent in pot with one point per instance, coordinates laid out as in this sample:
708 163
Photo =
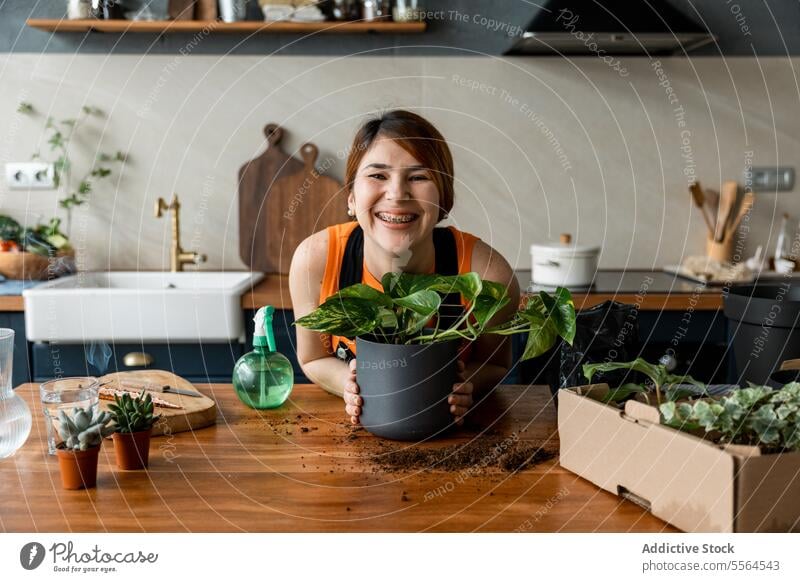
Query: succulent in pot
82 433
407 363
133 419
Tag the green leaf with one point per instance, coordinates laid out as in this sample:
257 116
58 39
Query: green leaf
540 339
56 140
623 392
100 172
25 107
424 305
343 316
84 187
654 372
561 310
487 305
362 291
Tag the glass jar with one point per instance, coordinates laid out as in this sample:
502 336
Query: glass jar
15 416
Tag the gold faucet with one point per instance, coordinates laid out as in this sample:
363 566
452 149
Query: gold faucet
178 257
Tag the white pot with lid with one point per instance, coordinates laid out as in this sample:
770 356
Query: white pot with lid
564 264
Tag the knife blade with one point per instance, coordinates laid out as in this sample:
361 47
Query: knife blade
153 387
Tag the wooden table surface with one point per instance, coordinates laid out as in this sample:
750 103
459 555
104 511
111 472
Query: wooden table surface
296 469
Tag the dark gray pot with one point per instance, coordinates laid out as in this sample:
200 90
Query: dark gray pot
405 388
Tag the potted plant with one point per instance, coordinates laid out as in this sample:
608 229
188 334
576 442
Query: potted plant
82 432
406 369
133 419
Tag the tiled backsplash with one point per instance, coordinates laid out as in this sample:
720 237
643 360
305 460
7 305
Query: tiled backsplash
542 146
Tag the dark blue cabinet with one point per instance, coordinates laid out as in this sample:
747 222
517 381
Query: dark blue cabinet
15 320
197 362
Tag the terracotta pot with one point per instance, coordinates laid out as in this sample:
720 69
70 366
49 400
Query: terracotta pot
78 468
132 449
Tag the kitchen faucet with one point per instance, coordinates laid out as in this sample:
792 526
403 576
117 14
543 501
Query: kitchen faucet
178 257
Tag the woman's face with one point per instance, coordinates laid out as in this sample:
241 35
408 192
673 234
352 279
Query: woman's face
395 200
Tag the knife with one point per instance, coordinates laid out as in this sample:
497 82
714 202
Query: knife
151 387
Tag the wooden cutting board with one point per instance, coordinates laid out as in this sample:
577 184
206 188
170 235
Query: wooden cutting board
299 205
256 179
195 412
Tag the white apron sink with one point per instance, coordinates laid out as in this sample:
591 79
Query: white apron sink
138 307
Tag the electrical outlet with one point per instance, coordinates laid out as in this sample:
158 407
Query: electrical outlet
30 176
779 179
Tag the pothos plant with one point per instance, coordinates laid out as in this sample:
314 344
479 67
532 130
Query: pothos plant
60 134
756 415
665 385
402 312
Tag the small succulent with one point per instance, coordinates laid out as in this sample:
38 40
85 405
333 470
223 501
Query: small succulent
133 414
84 428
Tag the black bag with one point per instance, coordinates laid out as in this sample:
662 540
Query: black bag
608 332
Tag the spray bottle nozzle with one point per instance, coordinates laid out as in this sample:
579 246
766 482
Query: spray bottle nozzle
262 335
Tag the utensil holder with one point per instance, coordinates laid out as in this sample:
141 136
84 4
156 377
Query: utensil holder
720 251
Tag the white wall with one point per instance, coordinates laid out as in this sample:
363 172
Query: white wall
583 149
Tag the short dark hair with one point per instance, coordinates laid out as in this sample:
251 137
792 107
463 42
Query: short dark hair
417 136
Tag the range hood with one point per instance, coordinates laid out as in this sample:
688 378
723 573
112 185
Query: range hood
609 27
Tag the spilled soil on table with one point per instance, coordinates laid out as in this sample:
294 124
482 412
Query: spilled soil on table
483 453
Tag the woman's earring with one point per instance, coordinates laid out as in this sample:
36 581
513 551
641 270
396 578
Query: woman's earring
351 213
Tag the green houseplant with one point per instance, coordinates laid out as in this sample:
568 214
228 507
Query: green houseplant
82 432
406 367
133 419
753 416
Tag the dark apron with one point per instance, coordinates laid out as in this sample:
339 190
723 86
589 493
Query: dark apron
446 263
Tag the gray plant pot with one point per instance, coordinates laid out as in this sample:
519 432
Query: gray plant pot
405 388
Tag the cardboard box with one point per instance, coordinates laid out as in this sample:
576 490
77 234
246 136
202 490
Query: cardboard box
690 482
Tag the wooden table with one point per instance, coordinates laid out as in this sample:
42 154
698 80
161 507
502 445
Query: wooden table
296 469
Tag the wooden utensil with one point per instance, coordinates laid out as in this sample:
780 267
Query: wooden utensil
747 203
711 201
299 205
727 200
699 201
256 179
181 9
205 10
194 412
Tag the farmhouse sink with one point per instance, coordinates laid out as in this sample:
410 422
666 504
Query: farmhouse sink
138 306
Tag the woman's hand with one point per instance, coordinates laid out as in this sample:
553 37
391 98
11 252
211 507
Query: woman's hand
352 401
461 399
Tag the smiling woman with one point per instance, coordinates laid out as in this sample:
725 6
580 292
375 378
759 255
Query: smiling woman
400 181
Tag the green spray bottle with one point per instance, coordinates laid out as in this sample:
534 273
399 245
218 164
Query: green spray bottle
263 378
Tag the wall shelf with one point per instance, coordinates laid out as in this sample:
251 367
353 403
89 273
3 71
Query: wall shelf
245 27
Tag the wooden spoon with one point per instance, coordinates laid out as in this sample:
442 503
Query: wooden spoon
699 201
747 203
727 200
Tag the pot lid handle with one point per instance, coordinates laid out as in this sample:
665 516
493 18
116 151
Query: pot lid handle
565 238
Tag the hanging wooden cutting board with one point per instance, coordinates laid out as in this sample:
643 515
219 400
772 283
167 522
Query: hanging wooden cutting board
299 205
281 202
195 412
256 178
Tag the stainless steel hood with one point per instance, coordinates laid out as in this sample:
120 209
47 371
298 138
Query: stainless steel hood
609 27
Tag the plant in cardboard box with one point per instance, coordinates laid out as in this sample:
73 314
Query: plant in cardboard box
756 416
664 385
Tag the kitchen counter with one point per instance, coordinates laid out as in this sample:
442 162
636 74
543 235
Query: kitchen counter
300 468
651 290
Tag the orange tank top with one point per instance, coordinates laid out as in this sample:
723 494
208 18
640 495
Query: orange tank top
337 241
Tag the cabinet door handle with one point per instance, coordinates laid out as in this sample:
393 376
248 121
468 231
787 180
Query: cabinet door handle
134 359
